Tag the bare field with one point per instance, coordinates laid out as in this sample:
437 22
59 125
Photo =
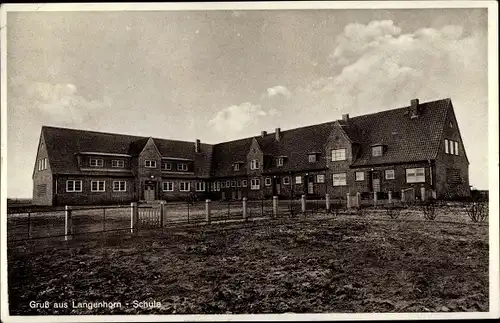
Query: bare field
341 264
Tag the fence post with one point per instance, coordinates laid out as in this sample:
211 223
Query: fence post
275 206
327 202
162 213
303 203
348 200
245 213
29 224
403 199
68 228
358 199
207 211
134 214
390 196
374 198
422 193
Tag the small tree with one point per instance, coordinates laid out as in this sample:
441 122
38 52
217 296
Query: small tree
476 207
392 211
429 209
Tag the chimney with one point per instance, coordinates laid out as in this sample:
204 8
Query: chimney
263 133
277 134
345 117
197 146
414 108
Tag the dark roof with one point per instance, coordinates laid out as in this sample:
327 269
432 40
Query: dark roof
63 144
226 154
406 139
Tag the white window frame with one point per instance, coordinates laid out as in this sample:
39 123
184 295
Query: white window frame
254 164
389 171
73 185
150 163
255 184
377 151
166 188
267 181
228 184
298 179
341 181
217 186
320 178
244 183
236 167
181 189
286 180
98 189
223 184
233 183
412 177
167 166
446 147
120 186
182 167
456 147
200 186
96 162
339 154
359 179
238 183
118 163
312 158
451 147
279 161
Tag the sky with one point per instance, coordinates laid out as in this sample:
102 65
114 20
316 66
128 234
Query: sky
225 74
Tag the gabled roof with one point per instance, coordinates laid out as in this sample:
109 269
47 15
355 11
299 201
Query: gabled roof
227 153
63 144
406 139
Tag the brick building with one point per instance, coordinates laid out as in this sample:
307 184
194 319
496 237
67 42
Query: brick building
411 147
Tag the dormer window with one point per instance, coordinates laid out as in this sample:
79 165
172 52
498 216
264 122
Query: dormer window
236 167
312 158
182 167
167 166
279 161
94 162
377 150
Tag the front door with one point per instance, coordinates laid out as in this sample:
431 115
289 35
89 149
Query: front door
276 186
310 184
149 193
375 182
239 195
233 194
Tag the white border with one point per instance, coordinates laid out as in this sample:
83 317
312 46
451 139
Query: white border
493 151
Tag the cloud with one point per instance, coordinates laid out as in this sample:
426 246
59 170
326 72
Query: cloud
278 90
238 119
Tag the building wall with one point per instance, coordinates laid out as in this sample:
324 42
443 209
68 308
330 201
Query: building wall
176 194
446 183
87 197
42 180
146 174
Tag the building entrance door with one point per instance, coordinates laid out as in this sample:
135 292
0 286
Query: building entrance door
239 194
375 182
310 184
149 193
233 194
276 186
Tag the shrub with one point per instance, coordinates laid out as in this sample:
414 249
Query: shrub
392 211
429 209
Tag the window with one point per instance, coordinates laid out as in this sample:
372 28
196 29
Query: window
236 167
73 186
200 186
118 163
218 186
213 187
451 147
320 178
298 179
222 184
182 167
312 158
255 184
339 179
254 164
238 184
415 175
119 186
267 182
446 147
97 186
96 162
233 183
279 162
377 151
168 186
167 166
184 186
360 176
42 164
150 163
244 183
456 147
338 154
286 180
228 184
389 174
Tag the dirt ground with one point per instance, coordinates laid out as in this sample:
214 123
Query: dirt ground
345 264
